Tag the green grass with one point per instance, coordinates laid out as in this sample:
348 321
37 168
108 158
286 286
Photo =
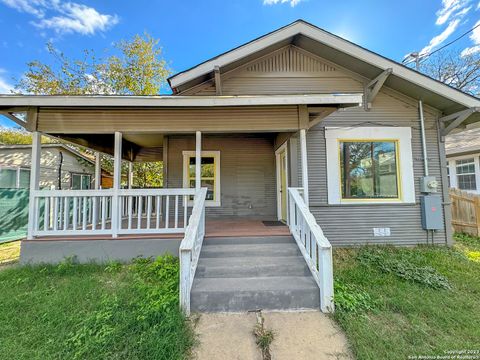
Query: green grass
9 252
93 312
399 302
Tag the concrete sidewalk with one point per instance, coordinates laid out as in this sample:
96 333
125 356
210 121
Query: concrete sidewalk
298 335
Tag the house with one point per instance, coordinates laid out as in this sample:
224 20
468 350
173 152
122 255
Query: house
61 167
463 152
297 126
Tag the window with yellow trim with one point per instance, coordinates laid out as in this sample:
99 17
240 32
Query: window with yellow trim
369 169
209 174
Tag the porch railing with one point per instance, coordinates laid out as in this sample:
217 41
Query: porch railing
91 212
190 248
314 246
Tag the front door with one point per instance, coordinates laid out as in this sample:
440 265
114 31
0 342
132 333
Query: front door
282 183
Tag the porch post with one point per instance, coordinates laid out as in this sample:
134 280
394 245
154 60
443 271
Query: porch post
303 150
130 174
198 160
98 171
34 182
117 178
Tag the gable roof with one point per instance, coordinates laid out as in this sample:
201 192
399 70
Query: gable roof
337 50
44 146
464 142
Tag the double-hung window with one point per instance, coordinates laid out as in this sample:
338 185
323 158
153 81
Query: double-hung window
466 179
209 174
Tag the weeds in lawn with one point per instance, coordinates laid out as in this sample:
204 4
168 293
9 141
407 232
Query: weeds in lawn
263 337
350 298
425 275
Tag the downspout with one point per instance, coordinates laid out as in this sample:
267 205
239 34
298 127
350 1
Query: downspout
424 141
60 171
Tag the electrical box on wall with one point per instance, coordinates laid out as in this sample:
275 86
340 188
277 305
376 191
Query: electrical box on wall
428 184
431 206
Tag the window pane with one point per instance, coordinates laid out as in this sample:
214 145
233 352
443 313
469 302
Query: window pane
210 185
207 167
467 182
24 178
76 182
85 182
8 178
465 166
369 170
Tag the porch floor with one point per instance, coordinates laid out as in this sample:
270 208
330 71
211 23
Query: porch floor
214 228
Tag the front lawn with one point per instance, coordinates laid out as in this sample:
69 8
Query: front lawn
9 252
396 303
93 312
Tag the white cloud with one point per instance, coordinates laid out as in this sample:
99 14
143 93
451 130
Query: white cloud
437 40
293 3
5 85
475 37
64 17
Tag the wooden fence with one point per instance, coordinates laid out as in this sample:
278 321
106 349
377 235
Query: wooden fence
465 212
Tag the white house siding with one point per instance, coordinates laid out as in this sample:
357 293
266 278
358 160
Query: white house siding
353 224
49 164
247 172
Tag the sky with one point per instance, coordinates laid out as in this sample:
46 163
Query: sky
191 31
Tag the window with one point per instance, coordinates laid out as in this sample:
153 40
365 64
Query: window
14 178
369 164
81 181
369 169
210 174
466 174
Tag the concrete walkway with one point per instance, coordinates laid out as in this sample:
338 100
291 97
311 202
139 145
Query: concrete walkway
298 335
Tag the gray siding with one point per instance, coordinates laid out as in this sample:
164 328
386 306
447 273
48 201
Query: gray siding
353 224
49 164
247 172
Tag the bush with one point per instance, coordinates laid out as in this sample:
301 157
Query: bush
425 275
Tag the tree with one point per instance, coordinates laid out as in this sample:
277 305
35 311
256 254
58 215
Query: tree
461 71
17 136
137 68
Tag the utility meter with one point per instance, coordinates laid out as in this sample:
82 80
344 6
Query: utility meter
428 184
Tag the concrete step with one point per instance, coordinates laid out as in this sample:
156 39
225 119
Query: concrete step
248 240
249 250
243 294
255 266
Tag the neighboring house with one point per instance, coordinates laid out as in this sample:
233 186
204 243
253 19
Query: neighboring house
463 157
61 167
298 125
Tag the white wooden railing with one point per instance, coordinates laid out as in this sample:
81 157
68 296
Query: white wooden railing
190 248
313 244
91 212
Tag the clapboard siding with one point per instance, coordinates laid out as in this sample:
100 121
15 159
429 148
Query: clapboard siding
91 120
247 172
353 224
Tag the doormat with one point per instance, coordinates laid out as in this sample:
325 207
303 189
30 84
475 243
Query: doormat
273 223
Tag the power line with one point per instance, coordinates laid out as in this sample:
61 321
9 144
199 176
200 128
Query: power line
423 57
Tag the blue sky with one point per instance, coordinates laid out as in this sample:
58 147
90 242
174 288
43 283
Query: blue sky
193 31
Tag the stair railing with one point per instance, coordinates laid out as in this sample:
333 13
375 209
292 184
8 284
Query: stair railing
190 248
314 246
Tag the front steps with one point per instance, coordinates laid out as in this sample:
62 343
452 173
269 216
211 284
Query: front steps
241 274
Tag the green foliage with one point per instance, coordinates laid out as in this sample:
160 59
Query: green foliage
409 318
72 311
350 298
19 137
425 275
138 69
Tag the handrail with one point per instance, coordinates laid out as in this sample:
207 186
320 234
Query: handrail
314 246
190 248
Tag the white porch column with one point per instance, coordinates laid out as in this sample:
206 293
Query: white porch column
34 182
198 160
303 151
117 179
98 171
130 174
